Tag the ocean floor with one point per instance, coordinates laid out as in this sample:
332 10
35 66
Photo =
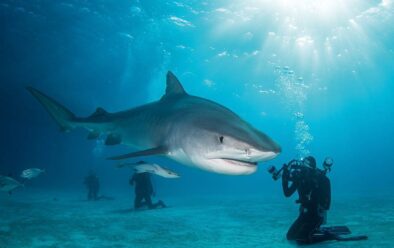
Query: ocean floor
42 219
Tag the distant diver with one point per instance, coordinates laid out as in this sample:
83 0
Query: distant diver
188 129
143 191
92 183
314 190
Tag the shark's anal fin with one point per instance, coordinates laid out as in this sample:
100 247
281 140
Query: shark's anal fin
149 152
113 139
93 135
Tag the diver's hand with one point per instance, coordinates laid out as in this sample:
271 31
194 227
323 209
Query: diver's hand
286 172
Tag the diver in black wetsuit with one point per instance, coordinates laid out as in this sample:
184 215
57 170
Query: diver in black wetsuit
93 185
144 191
314 192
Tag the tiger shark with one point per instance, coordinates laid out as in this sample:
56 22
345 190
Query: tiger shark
188 129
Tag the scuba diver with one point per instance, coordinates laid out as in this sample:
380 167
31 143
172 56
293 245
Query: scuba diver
314 191
92 183
144 191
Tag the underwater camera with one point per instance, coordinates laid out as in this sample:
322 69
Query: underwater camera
327 164
292 166
297 167
274 172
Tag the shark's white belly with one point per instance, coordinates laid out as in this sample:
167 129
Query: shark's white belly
180 156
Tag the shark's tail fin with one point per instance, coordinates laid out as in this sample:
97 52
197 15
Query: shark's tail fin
60 114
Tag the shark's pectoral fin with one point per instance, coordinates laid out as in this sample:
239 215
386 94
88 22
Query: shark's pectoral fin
149 152
113 139
93 135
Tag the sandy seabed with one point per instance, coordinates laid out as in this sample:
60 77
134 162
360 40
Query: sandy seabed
44 219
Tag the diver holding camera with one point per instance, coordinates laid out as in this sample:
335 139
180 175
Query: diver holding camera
314 191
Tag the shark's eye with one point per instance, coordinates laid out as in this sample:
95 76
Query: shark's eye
221 139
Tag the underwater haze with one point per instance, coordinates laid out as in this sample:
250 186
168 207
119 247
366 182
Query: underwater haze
317 76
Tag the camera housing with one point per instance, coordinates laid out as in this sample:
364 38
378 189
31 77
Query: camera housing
327 164
297 167
276 174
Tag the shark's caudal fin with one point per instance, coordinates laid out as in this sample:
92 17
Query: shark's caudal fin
60 114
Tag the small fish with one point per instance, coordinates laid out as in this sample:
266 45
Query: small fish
8 184
31 173
142 166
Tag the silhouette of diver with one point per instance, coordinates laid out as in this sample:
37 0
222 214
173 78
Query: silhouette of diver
92 183
144 191
314 190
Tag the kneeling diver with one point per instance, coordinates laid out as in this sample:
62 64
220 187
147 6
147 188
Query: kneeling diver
314 190
144 191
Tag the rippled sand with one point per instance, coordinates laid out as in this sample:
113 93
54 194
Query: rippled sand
43 219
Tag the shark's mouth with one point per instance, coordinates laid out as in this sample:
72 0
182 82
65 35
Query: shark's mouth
239 162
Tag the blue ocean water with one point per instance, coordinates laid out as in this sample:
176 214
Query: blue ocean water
316 76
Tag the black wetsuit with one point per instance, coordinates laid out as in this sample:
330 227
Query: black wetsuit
93 185
143 191
314 192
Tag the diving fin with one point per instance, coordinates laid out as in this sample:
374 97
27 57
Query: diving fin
352 238
338 230
153 151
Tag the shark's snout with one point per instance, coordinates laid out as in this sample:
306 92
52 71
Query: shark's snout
271 147
261 156
277 149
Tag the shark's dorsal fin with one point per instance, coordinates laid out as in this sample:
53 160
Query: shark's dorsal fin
161 150
113 139
99 112
174 87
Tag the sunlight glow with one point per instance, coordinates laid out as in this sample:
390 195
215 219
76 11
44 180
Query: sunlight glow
304 40
314 32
